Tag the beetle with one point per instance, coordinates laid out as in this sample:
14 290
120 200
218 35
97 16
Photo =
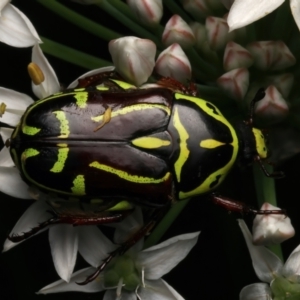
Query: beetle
112 146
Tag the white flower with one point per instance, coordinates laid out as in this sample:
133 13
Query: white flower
15 28
284 279
244 12
133 58
65 239
135 274
271 229
147 11
173 62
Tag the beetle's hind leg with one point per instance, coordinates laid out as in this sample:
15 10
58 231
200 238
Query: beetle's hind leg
64 212
242 208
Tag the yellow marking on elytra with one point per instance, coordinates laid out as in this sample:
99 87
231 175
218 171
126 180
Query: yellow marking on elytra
210 144
126 176
64 124
81 99
30 130
261 147
35 73
29 152
149 142
2 109
124 85
131 108
78 188
106 119
61 159
102 88
184 151
63 145
217 115
122 205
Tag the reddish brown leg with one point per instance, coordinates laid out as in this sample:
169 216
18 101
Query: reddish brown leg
97 79
103 217
242 208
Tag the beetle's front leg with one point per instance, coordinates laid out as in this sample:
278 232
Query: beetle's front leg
77 218
240 207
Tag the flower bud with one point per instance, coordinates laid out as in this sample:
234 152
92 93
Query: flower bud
178 31
133 58
272 108
272 228
217 32
235 83
271 55
173 63
236 56
147 11
283 82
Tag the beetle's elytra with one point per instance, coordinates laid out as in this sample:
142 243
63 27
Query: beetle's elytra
114 145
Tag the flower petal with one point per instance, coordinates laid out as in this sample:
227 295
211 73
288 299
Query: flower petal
50 84
5 133
133 58
265 263
12 184
158 289
291 269
244 12
93 245
148 12
271 229
173 62
295 8
160 259
15 28
16 103
34 215
256 291
63 240
5 158
60 286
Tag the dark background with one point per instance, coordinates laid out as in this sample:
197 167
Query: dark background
217 267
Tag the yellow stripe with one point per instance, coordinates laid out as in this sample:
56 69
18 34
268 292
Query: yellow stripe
124 85
81 99
210 144
29 130
136 107
150 142
126 176
61 159
64 124
184 151
78 188
29 153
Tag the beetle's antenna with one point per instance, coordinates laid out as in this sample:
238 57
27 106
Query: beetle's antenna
260 94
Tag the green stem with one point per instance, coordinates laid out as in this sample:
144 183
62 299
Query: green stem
129 23
80 21
265 192
73 56
165 223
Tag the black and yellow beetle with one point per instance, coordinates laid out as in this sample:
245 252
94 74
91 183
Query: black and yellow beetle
113 146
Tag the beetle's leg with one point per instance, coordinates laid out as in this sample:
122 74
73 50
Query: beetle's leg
158 214
97 79
277 175
103 217
242 208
